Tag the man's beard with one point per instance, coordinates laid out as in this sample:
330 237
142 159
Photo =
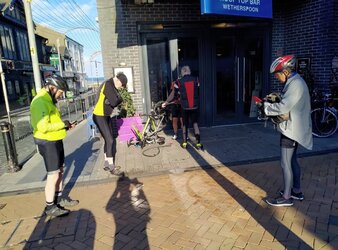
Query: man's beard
52 95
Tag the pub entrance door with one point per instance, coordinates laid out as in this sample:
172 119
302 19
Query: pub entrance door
231 68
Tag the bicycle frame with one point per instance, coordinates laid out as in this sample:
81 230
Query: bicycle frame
140 134
149 133
152 127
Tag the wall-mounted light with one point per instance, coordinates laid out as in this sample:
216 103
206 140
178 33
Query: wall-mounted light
144 1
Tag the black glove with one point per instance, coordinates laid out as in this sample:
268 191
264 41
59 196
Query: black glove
276 98
260 111
273 97
68 125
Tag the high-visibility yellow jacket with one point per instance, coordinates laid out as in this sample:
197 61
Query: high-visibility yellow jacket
46 118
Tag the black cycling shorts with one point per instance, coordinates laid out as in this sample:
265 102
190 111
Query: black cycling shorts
189 115
176 111
286 142
52 153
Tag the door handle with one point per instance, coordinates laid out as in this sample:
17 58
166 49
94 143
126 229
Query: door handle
237 82
243 84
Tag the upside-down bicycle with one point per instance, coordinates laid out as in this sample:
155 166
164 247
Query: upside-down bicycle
155 122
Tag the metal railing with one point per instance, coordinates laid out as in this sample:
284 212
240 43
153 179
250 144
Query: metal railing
71 109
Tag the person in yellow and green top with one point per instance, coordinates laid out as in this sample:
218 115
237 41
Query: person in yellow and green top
48 131
107 99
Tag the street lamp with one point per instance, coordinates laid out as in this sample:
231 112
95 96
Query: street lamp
93 59
97 73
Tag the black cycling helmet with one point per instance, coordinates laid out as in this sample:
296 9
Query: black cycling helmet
56 81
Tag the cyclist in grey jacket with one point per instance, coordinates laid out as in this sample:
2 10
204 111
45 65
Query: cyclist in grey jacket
297 129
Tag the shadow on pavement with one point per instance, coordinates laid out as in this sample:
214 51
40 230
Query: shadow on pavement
263 215
316 211
78 160
130 209
75 231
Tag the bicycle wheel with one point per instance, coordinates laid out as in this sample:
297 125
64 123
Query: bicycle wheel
324 122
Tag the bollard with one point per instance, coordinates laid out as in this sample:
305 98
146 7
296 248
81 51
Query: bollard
83 107
8 137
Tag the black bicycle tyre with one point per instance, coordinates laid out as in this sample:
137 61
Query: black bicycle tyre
145 151
323 129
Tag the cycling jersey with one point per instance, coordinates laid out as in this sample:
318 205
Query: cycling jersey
46 118
107 98
188 90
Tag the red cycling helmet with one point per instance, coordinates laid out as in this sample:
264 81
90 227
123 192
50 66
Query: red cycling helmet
284 62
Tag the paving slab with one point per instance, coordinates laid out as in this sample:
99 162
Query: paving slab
227 145
211 208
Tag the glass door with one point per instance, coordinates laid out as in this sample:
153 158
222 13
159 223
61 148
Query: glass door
158 70
226 79
252 71
238 76
164 57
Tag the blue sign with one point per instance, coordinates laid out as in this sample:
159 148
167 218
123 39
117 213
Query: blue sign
251 8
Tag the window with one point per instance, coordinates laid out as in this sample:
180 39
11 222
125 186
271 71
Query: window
17 87
9 88
77 65
16 12
7 43
23 46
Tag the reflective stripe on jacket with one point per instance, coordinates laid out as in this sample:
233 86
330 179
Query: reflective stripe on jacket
46 118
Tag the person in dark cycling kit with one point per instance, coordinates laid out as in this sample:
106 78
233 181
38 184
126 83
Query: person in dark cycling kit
187 87
176 110
108 98
48 131
296 129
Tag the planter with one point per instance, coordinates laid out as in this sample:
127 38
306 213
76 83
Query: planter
124 127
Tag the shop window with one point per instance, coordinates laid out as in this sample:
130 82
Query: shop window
23 46
17 87
7 43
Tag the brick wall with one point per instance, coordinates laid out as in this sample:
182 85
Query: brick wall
119 30
306 28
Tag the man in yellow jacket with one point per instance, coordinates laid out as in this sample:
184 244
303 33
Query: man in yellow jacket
48 131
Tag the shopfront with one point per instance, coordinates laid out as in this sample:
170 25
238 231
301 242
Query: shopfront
229 63
230 52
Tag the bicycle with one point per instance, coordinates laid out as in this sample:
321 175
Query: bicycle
324 118
156 121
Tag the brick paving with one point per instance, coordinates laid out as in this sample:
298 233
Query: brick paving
211 208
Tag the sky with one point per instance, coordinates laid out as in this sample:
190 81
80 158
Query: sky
76 19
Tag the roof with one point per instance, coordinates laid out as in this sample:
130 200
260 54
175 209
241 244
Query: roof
4 4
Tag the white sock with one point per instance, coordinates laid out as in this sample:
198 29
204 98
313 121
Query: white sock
111 162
